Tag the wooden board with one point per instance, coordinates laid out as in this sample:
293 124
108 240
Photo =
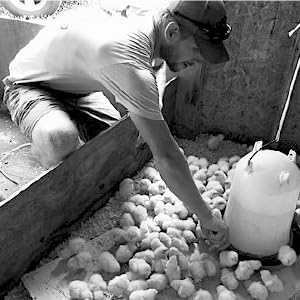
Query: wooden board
50 282
39 214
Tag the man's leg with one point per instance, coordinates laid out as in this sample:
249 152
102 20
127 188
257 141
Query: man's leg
93 114
54 138
44 121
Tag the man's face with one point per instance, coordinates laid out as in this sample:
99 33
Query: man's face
181 55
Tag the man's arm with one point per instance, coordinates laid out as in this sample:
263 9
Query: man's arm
171 164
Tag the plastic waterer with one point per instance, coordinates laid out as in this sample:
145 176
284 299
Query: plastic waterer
262 201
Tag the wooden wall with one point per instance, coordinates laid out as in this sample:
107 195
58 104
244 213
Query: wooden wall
243 97
13 36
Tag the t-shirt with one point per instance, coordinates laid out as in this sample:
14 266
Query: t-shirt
89 52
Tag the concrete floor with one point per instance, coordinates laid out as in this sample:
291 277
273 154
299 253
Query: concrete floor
20 165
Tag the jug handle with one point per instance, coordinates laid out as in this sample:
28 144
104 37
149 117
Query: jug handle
292 156
257 146
284 177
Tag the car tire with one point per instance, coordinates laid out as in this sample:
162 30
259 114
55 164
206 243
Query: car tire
38 8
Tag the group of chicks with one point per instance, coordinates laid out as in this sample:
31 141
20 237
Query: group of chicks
159 241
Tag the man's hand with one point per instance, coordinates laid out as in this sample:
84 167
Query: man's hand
216 232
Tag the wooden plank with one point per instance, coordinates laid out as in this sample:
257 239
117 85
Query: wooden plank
38 215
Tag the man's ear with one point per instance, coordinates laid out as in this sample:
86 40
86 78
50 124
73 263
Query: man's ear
172 32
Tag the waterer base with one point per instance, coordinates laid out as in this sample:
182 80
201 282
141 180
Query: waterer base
272 260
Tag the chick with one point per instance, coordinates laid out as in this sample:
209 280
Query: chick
172 269
157 187
148 294
228 258
202 295
216 213
272 282
212 169
149 172
139 199
218 202
96 282
234 159
226 194
203 163
197 270
139 214
161 218
189 236
210 194
180 244
140 266
79 290
133 234
221 177
126 221
98 295
246 268
118 286
144 186
165 238
128 207
126 188
200 186
80 261
118 235
136 285
225 294
124 253
287 255
257 290
108 263
228 279
193 169
192 160
215 185
213 142
159 265
147 255
169 197
185 287
158 281
74 246
182 259
200 175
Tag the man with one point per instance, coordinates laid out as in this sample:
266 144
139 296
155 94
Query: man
56 79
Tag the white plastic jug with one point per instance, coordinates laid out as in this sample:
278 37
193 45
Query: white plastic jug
262 201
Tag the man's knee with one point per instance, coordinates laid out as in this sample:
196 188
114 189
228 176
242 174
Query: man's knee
53 140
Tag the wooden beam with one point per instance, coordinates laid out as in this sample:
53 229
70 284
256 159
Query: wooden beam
40 214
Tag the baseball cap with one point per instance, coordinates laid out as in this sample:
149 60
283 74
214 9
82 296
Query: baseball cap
207 22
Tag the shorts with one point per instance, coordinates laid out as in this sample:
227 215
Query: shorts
27 103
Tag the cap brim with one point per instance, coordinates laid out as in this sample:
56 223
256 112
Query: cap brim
214 53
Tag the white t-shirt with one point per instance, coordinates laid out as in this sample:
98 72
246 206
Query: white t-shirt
84 52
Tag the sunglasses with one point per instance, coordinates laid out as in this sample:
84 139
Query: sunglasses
218 33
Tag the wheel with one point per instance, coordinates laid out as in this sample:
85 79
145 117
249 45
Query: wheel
35 8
